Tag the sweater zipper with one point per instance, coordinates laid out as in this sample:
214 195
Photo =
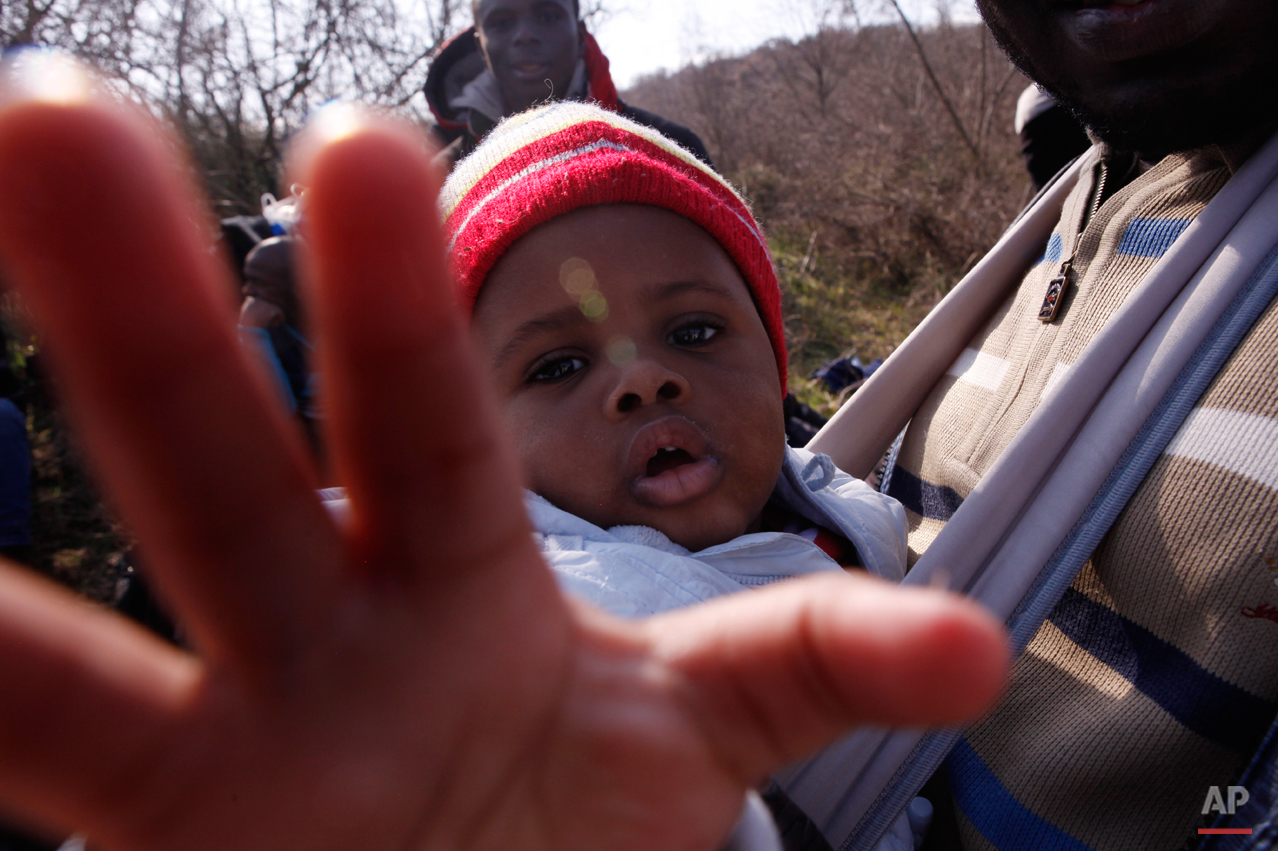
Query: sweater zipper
1056 286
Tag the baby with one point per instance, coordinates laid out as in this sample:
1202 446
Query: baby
624 300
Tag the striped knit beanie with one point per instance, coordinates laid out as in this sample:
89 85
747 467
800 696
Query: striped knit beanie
550 161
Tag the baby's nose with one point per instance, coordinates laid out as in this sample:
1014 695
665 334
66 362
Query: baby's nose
646 382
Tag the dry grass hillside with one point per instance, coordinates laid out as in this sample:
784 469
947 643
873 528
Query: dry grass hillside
877 191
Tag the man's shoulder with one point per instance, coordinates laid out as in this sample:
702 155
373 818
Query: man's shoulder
684 136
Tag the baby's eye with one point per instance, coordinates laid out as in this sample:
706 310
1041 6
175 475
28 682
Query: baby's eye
557 368
693 334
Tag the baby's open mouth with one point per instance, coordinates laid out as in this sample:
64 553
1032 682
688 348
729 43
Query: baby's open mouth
667 458
671 462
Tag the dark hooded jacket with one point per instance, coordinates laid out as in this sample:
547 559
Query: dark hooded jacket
460 124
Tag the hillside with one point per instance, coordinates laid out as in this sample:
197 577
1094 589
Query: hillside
875 200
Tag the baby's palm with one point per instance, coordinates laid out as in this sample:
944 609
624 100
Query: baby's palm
409 677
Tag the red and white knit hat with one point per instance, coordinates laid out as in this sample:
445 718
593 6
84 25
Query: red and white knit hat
550 161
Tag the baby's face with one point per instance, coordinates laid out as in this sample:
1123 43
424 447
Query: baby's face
636 376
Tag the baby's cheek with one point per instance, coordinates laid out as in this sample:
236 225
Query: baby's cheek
761 465
565 469
531 445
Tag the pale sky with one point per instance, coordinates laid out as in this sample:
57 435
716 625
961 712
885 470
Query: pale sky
642 36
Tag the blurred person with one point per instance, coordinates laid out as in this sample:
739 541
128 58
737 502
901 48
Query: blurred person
272 325
520 53
239 236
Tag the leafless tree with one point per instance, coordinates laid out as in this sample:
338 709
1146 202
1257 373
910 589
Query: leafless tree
237 77
595 12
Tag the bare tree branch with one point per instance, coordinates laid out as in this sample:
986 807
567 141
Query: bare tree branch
936 84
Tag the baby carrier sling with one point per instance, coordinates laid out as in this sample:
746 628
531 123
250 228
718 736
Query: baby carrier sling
1019 539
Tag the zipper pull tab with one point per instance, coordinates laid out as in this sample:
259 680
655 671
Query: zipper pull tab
1055 290
1056 286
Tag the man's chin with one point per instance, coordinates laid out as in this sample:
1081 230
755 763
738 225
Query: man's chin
1220 89
1154 126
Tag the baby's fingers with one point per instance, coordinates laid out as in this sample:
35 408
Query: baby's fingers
87 709
775 674
413 426
103 236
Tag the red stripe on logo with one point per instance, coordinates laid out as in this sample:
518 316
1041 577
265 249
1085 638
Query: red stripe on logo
1224 831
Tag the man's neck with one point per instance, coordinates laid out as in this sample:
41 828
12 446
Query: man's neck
1125 166
1234 152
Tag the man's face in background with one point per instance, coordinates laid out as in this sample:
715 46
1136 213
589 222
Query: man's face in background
532 47
1153 76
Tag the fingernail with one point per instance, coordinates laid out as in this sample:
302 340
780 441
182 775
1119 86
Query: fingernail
335 121
330 123
47 76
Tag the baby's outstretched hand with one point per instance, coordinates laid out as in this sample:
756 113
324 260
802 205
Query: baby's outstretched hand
414 679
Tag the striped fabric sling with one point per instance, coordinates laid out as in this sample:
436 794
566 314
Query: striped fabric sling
1012 493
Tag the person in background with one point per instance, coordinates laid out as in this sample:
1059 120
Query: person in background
1155 678
272 324
15 466
15 515
1051 136
239 235
520 53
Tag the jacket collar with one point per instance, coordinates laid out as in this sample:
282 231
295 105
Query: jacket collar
804 477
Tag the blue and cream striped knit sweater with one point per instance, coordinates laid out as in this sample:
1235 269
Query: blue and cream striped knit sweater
1157 675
